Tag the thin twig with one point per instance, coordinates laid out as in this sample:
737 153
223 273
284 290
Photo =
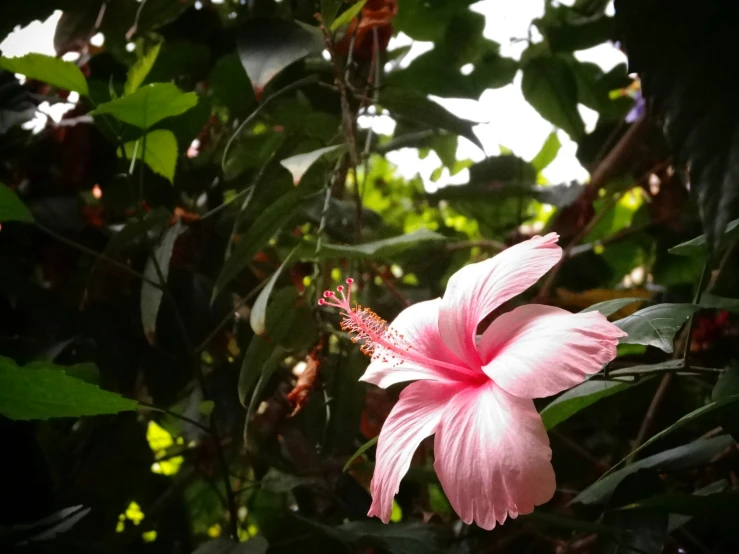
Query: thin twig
231 314
95 254
194 357
667 379
176 416
292 86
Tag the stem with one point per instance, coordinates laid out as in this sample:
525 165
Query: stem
195 360
292 86
177 416
95 254
696 302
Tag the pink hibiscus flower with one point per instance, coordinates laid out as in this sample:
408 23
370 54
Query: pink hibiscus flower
492 452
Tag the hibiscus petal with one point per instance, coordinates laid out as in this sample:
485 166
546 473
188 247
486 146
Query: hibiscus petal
536 351
428 357
493 456
414 417
476 290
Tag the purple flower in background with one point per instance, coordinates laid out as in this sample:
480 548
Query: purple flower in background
637 110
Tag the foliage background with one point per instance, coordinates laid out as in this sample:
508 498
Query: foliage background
168 383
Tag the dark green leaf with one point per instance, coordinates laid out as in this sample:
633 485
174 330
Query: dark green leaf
550 87
610 307
151 296
348 14
231 87
257 236
644 533
712 407
693 94
727 386
297 165
578 398
17 106
678 520
48 392
158 150
420 110
277 482
45 529
55 71
697 246
255 358
656 325
149 105
712 301
329 9
686 456
716 505
398 538
567 29
266 46
11 207
222 545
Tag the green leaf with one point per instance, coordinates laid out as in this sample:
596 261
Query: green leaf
361 450
151 296
54 71
547 520
48 392
420 110
380 249
149 105
548 152
298 165
158 150
656 325
610 307
579 398
686 456
727 386
257 236
258 316
140 69
348 14
697 246
644 533
266 46
550 87
11 207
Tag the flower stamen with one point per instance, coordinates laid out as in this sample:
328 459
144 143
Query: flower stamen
378 339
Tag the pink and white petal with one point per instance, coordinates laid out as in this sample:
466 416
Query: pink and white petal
493 456
535 351
476 290
421 353
413 418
